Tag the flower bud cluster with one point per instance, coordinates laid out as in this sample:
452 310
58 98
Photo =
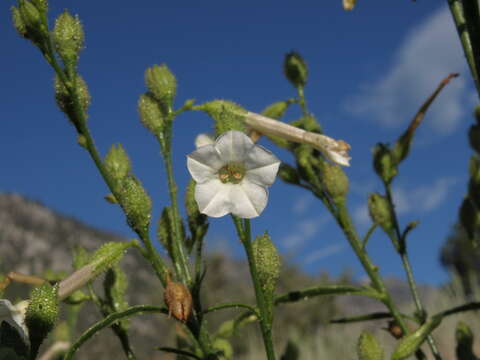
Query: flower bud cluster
156 105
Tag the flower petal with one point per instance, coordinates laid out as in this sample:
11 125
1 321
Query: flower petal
15 317
204 139
248 199
204 163
213 198
262 166
338 157
233 146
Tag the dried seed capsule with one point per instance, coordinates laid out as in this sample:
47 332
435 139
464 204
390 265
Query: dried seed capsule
178 300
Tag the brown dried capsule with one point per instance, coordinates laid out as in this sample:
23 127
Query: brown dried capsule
178 300
394 329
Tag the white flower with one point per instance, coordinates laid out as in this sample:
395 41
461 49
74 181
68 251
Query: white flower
204 139
232 176
14 315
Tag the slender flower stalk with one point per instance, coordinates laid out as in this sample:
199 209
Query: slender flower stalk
402 251
180 258
244 234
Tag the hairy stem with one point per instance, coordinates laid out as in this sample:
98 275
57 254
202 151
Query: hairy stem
402 251
179 257
81 123
244 234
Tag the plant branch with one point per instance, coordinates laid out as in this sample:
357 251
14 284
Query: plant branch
244 235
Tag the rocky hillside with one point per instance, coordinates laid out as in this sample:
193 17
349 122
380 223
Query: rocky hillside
34 239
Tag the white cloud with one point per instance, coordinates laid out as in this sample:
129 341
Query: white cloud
322 253
422 199
302 204
361 216
429 52
303 231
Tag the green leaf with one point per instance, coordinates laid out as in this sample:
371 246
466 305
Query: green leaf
360 318
328 290
412 342
108 321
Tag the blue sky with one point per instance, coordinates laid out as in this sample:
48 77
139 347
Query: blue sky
370 70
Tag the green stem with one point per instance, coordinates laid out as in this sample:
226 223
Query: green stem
456 10
108 321
346 224
265 327
81 124
231 306
179 257
302 101
402 251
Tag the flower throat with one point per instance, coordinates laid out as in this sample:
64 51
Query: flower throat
231 173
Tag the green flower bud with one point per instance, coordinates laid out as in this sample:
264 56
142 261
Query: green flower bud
227 115
162 84
288 174
384 163
474 137
295 69
136 204
117 163
276 110
464 338
42 5
335 181
65 101
69 37
18 22
30 15
380 213
368 347
151 115
267 261
42 313
310 123
224 347
108 255
226 330
412 342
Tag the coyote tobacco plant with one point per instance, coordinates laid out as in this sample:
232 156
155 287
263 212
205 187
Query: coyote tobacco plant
231 175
